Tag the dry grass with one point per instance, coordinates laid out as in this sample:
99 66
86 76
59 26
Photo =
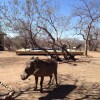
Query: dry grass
78 80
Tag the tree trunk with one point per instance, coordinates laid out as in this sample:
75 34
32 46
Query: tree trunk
90 45
86 47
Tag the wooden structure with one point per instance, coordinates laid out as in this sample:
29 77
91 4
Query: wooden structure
2 41
41 52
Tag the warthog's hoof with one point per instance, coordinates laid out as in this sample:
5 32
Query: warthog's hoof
57 85
41 90
35 89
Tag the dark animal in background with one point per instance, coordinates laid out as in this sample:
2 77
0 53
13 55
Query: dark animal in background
55 57
70 57
67 55
40 68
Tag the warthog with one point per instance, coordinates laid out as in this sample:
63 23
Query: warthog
40 68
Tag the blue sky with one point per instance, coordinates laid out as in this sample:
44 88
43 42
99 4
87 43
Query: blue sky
67 5
65 8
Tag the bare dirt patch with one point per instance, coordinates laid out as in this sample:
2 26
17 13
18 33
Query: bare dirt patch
77 80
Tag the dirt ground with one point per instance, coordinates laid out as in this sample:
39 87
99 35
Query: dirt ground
78 80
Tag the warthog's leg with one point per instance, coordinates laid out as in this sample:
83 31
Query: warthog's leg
55 74
50 80
41 83
36 82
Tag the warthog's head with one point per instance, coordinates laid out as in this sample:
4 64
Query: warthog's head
29 69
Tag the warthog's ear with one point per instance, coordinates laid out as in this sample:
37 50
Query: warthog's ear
32 58
37 58
27 65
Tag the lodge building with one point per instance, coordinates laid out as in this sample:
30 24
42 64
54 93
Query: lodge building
2 41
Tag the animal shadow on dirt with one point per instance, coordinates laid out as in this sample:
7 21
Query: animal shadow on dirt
59 93
88 91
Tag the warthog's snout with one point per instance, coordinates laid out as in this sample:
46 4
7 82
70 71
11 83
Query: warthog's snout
24 76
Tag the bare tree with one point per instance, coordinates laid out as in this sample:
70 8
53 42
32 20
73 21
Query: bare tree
51 23
88 16
19 17
32 19
94 40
